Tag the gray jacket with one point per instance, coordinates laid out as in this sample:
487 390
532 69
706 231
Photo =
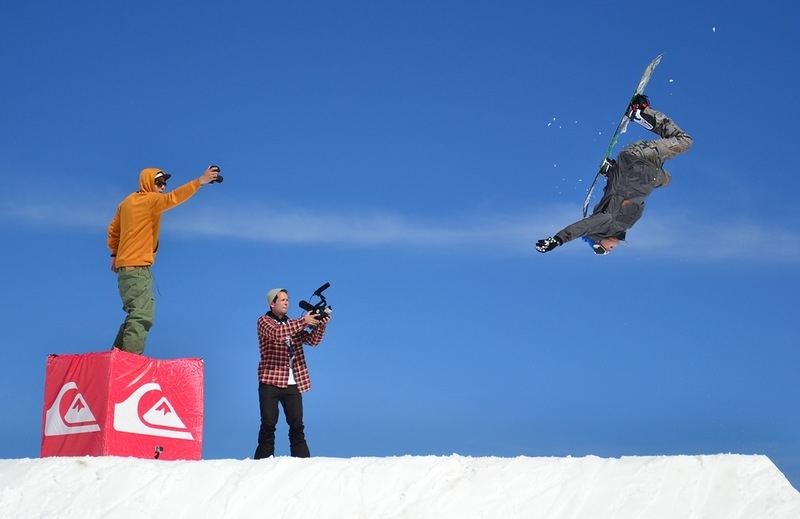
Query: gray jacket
638 170
630 181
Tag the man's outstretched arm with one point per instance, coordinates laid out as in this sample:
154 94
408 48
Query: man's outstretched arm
590 224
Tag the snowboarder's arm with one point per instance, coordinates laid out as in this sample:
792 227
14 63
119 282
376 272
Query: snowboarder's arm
678 140
589 225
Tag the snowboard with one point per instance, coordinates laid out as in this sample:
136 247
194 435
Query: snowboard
621 127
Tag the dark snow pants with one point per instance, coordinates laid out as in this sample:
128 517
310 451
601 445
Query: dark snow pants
291 400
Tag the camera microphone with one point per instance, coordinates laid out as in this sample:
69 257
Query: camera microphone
321 310
321 289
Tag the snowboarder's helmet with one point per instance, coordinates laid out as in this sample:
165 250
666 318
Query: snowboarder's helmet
596 247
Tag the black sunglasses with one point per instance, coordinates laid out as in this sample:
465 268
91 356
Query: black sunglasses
161 183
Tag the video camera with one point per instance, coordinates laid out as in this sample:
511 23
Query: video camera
320 310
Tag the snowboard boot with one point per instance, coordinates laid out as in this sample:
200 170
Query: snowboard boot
607 165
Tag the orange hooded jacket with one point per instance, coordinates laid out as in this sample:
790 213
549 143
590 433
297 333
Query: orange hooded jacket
133 233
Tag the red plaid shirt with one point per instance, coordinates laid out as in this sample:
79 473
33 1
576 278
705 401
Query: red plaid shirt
273 369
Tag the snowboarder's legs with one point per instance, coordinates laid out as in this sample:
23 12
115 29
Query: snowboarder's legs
673 141
292 402
136 290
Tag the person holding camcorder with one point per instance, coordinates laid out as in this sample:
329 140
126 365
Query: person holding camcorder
282 371
133 241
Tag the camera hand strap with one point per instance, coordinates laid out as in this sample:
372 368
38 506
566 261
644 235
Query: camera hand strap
291 351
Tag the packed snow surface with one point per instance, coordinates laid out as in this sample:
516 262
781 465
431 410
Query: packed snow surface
724 486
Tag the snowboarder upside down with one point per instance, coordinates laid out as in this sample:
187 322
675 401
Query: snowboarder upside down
630 180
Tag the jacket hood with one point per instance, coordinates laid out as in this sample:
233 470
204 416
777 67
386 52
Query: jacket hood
147 179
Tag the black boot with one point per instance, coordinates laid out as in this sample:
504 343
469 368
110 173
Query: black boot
264 451
299 450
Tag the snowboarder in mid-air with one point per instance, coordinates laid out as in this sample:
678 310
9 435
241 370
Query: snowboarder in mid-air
629 181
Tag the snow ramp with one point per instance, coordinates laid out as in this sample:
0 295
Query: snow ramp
725 486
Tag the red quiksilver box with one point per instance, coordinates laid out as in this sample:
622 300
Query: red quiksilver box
120 404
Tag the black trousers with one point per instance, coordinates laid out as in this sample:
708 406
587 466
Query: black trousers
292 402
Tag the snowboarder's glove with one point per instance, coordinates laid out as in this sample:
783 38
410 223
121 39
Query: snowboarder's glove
640 102
548 244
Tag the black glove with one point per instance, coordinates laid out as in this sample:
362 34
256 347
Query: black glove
640 102
548 244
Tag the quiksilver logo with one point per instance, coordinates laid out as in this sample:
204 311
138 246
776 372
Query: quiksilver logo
77 419
160 420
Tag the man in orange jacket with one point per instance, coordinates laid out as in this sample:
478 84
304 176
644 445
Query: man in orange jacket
133 240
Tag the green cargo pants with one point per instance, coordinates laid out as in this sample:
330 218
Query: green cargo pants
136 291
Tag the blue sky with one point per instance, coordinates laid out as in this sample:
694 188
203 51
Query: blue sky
411 153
